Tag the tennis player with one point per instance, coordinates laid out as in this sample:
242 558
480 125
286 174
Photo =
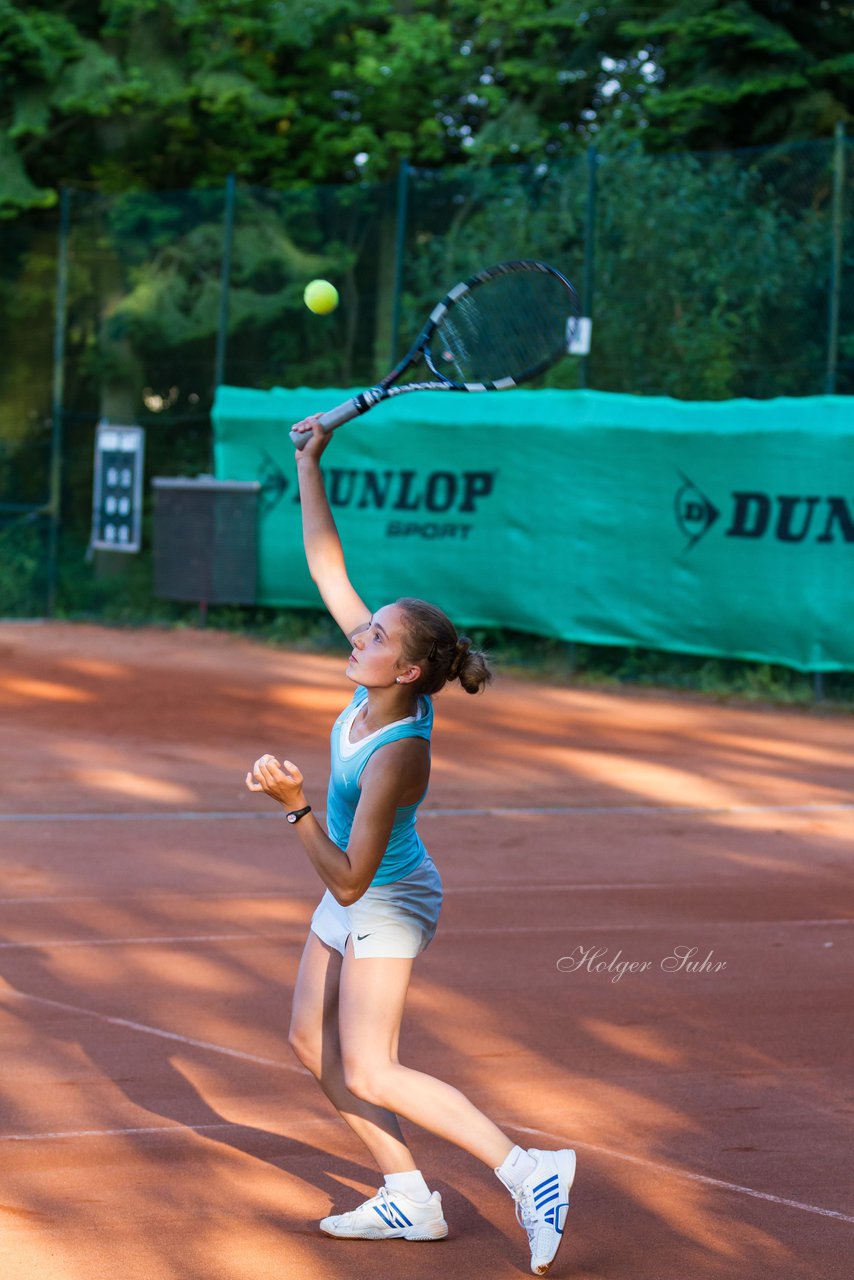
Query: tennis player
381 905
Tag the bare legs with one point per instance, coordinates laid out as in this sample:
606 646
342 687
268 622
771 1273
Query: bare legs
345 1028
315 1040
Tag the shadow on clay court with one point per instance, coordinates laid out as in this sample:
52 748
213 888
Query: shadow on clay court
706 1082
145 1072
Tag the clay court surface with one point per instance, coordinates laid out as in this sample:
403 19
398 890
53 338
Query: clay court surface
154 1122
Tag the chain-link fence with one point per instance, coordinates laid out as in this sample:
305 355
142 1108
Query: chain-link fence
707 276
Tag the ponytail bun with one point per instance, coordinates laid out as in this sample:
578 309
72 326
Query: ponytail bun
474 672
461 651
431 640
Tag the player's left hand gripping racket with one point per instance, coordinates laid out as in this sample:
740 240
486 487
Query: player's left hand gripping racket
500 327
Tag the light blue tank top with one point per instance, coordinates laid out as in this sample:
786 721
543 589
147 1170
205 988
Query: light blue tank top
404 850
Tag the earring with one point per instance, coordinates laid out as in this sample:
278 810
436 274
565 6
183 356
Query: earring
397 679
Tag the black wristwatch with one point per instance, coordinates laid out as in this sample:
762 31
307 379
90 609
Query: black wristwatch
296 814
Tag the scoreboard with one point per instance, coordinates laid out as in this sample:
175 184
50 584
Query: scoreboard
117 488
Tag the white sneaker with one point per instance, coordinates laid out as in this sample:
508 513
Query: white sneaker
390 1215
542 1202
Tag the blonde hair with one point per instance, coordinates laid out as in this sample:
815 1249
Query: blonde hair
431 641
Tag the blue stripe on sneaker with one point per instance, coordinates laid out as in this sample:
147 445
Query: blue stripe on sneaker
553 1216
546 1191
397 1218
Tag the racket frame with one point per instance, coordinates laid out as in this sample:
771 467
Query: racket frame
420 349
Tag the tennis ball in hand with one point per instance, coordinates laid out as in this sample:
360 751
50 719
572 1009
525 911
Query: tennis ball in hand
321 297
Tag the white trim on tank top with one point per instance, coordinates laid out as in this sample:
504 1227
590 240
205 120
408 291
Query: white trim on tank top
348 749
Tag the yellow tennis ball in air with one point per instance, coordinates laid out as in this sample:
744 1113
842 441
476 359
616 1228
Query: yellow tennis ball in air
321 297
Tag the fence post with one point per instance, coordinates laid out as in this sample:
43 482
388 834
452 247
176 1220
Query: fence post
399 250
57 399
589 251
836 258
225 281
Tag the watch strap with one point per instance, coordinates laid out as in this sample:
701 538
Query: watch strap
296 814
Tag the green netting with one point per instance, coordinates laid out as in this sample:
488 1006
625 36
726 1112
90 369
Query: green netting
23 556
712 274
462 220
283 239
143 290
27 304
845 371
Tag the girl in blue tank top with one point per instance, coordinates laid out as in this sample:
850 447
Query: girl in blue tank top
404 850
381 904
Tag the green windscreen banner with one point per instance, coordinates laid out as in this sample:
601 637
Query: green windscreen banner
711 528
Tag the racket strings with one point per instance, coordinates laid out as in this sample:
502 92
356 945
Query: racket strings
504 328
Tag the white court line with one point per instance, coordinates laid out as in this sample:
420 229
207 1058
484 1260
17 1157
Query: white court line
151 895
286 892
650 810
58 944
114 1133
143 1028
176 1128
685 1173
282 1066
654 810
659 1166
178 815
636 927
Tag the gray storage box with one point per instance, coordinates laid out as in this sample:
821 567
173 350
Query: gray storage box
206 540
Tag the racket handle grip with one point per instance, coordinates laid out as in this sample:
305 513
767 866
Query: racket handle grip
329 421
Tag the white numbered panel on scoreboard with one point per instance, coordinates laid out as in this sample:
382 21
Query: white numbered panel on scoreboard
117 488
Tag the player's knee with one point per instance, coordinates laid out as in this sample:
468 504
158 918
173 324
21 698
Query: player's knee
366 1080
307 1048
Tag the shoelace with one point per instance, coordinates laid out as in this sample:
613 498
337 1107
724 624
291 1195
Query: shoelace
381 1194
525 1214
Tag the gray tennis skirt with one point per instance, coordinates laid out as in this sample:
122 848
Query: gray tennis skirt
389 920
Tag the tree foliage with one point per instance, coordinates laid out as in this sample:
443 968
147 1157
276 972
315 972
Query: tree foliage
165 94
177 93
151 103
711 272
720 74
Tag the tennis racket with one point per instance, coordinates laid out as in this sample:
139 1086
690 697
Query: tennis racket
500 327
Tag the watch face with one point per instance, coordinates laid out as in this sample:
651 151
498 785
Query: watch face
292 817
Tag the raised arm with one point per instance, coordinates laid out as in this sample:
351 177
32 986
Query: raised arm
323 549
